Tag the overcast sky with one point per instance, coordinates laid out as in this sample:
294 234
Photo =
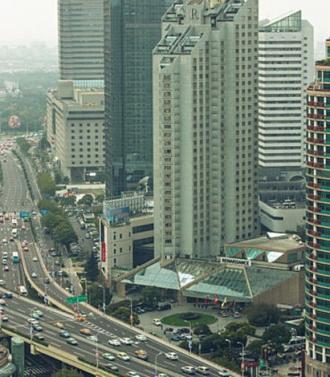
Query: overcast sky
24 21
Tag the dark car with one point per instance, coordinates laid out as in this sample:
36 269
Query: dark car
163 306
7 295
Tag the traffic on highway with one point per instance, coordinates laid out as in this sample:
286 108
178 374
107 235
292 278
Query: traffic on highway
79 330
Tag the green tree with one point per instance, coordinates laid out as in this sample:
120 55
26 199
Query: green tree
24 145
255 347
213 342
86 200
202 330
262 314
151 295
243 327
276 334
91 268
64 233
124 314
65 372
95 295
46 184
99 198
51 221
50 205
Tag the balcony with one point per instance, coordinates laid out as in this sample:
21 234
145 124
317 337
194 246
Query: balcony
315 140
316 104
313 209
315 165
314 245
313 185
314 221
313 197
315 128
313 233
316 116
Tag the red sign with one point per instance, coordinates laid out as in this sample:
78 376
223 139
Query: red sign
103 252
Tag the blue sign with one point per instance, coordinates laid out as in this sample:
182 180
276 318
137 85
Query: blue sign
44 211
24 214
117 215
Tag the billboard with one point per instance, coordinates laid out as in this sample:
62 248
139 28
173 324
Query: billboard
103 251
117 215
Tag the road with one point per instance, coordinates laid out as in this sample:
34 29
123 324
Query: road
103 326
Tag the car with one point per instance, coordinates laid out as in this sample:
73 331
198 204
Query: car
39 336
188 369
35 259
59 325
64 334
35 315
93 338
223 373
131 373
7 295
33 321
110 367
4 261
72 341
202 370
141 354
25 248
114 342
11 239
157 322
108 356
141 337
46 280
2 283
85 331
237 315
176 338
34 275
127 341
171 356
4 240
123 356
2 301
6 268
80 318
38 312
4 318
37 327
4 255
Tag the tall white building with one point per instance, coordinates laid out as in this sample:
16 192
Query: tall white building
286 67
205 127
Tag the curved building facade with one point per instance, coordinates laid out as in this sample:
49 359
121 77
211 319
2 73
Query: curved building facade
318 222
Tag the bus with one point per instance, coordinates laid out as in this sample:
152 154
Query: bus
15 257
22 290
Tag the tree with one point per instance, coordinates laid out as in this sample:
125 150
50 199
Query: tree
65 372
255 347
23 145
95 295
276 334
151 295
50 205
243 327
124 314
262 314
202 330
51 221
86 200
64 233
213 342
91 268
99 198
46 184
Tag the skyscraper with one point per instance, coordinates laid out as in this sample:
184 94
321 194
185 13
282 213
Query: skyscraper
132 29
318 222
81 40
205 127
286 67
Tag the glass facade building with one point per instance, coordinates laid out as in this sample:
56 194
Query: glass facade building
132 29
318 222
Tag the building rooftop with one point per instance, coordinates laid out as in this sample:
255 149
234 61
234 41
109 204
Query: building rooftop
289 22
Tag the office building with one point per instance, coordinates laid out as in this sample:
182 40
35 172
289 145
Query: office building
81 41
286 67
205 128
75 131
132 29
318 222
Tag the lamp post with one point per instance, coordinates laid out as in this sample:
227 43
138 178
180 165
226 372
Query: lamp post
131 314
156 367
190 341
97 353
243 360
103 297
228 341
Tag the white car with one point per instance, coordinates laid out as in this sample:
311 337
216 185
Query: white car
202 370
123 356
141 337
93 338
2 283
132 374
33 321
171 356
34 275
4 240
188 369
223 373
35 259
157 322
114 342
127 341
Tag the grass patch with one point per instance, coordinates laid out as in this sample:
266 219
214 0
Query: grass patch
179 319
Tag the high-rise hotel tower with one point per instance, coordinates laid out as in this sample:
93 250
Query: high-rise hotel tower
318 222
205 73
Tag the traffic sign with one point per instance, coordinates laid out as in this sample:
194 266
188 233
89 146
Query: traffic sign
24 214
75 299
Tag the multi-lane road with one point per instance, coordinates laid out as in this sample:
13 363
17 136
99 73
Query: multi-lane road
101 325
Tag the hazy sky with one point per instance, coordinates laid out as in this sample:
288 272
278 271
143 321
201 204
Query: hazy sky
24 21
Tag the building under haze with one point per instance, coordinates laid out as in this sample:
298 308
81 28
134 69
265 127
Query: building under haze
81 41
205 127
318 222
286 67
132 29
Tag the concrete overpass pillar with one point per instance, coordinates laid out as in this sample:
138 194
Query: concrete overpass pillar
121 289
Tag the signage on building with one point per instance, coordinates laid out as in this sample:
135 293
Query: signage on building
103 251
117 215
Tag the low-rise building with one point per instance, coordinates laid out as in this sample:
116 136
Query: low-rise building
75 131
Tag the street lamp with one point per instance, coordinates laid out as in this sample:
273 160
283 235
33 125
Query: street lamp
131 315
243 355
156 368
190 341
228 341
103 301
97 353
